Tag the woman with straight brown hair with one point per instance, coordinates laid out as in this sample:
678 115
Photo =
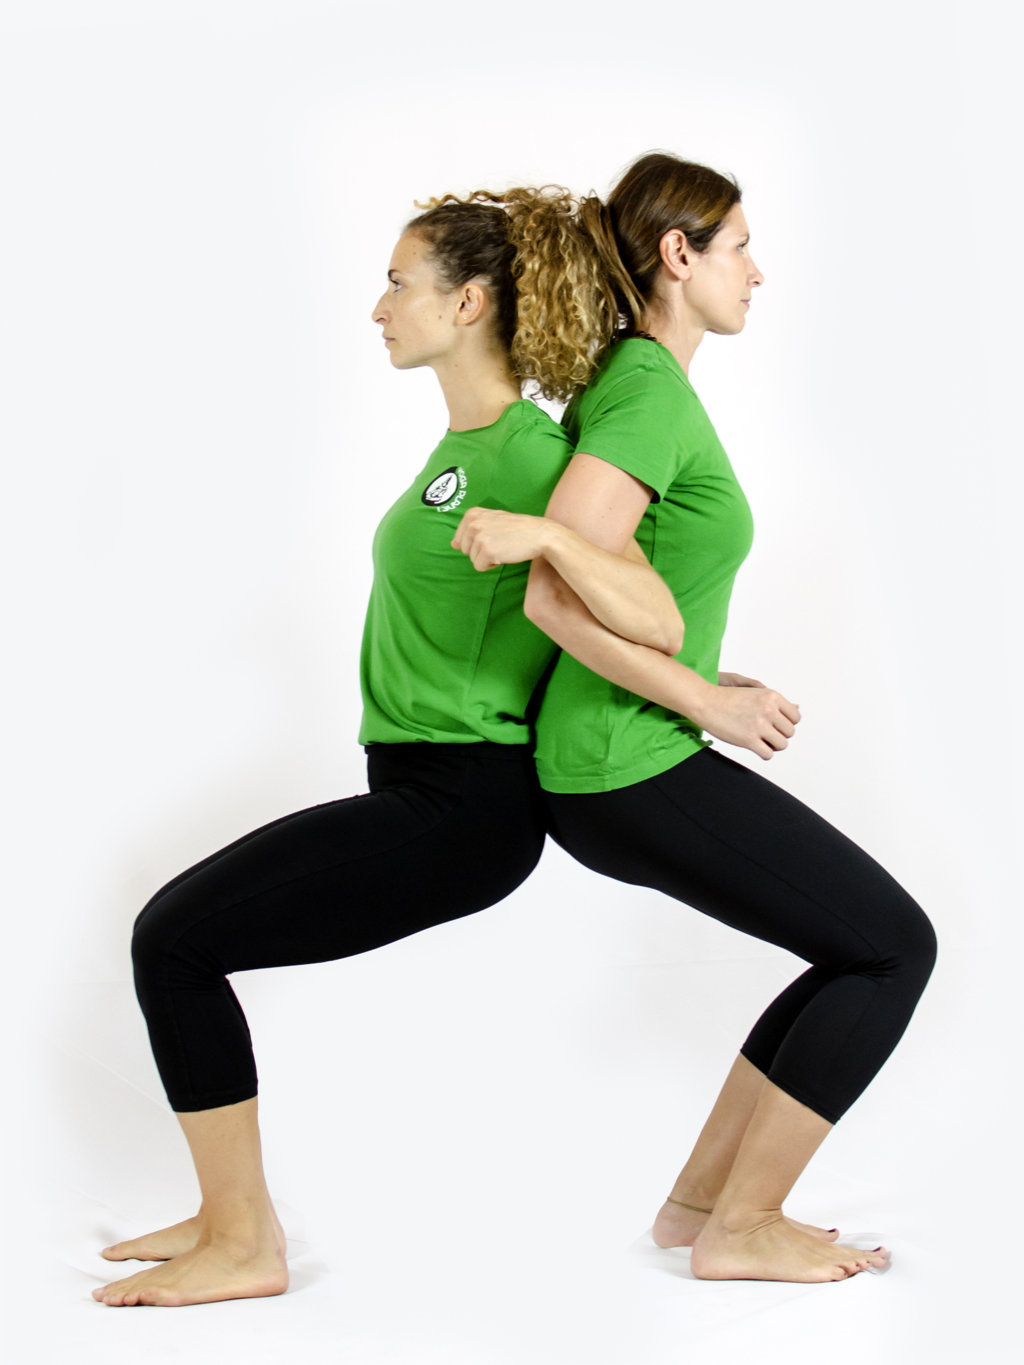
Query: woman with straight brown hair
449 663
633 788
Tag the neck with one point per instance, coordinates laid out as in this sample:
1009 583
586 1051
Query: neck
675 330
477 391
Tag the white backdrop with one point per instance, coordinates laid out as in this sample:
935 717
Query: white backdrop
469 1131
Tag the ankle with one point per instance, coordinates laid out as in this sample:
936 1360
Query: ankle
680 1207
735 1218
693 1195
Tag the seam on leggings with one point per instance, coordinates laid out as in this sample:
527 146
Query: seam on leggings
813 900
754 862
237 904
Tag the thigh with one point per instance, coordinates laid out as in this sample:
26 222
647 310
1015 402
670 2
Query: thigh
735 846
441 835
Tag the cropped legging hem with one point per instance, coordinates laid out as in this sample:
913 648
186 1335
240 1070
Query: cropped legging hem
726 841
446 830
795 1092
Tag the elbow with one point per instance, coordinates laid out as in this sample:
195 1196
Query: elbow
674 634
663 632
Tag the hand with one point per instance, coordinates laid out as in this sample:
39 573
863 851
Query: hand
750 715
737 680
490 537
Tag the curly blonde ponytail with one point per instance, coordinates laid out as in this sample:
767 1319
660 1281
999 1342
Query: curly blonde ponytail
547 259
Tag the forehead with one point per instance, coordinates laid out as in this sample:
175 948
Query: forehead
411 254
734 224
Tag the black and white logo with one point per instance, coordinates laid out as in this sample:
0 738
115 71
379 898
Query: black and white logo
447 490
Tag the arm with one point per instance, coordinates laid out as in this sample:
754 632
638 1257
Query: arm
592 497
743 713
604 566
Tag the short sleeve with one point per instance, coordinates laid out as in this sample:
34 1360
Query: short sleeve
639 421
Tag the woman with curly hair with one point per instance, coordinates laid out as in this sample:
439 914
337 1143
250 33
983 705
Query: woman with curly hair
633 789
448 665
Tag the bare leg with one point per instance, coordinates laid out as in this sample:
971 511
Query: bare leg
238 1247
702 1179
746 1237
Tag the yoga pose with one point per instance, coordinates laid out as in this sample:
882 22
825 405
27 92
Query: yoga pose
633 789
449 662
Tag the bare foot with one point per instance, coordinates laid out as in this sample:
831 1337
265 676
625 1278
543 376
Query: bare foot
157 1246
679 1227
771 1249
174 1241
207 1273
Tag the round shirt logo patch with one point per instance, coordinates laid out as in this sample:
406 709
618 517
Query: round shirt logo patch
447 490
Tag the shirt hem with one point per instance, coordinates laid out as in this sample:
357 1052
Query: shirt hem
609 782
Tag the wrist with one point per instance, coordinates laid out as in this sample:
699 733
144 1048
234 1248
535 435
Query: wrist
697 699
555 541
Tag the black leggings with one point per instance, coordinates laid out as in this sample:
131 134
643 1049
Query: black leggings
447 829
724 840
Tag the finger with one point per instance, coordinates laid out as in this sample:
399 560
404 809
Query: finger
790 710
785 727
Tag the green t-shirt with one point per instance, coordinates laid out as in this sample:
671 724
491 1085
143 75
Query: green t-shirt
448 656
641 414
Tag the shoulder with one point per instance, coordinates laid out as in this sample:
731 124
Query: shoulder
637 360
638 382
634 371
525 423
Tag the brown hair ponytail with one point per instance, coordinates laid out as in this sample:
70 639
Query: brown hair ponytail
555 305
567 275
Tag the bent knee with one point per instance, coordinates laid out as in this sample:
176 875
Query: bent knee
158 928
917 949
926 945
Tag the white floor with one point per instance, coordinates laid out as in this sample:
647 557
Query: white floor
409 1300
467 1154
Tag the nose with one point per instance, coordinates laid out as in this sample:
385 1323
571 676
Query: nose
379 312
755 275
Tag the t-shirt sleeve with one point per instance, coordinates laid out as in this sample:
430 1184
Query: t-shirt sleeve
639 423
530 462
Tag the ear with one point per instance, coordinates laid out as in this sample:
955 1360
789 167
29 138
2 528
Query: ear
675 254
473 304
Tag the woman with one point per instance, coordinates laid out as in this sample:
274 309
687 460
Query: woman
632 788
449 662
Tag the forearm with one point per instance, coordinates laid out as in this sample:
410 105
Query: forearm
741 710
649 672
622 591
